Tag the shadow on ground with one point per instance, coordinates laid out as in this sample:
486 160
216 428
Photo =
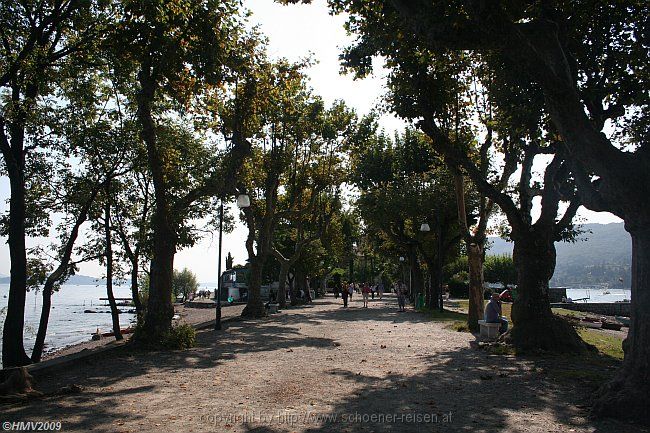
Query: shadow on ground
461 390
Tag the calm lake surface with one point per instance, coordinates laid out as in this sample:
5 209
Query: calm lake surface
70 325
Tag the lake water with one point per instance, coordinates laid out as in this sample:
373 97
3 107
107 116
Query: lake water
599 294
70 325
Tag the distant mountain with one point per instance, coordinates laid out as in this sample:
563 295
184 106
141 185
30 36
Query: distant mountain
602 254
82 280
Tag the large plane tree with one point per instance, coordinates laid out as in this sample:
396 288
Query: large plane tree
589 58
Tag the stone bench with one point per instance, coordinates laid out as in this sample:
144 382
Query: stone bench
489 330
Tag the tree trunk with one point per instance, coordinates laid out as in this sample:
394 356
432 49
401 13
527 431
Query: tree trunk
160 310
109 266
628 394
254 306
535 327
158 319
417 281
299 282
13 349
39 344
475 258
135 290
434 286
282 284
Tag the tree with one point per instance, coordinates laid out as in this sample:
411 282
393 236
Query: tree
185 56
402 186
588 59
185 284
41 43
428 86
81 196
501 269
312 196
291 149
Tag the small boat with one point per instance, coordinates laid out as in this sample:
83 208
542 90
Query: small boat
112 334
611 325
625 321
590 324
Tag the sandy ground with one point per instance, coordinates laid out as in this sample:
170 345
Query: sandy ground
320 368
188 315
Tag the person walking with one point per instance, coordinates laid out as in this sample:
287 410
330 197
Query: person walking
401 296
380 290
344 295
351 290
365 291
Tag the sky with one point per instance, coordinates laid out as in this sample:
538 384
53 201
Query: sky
294 32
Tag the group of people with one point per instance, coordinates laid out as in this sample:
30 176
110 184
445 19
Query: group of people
366 289
492 312
369 291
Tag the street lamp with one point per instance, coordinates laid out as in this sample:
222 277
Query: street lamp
243 201
425 228
401 263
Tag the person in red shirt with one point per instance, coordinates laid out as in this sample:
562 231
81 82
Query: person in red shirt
365 291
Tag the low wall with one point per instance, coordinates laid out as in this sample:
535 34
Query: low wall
604 308
200 303
557 294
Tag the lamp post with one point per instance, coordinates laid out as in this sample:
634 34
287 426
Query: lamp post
425 228
242 201
439 282
401 262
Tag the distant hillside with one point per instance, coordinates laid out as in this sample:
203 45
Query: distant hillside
81 280
602 255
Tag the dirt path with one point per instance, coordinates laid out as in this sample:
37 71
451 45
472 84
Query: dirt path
318 369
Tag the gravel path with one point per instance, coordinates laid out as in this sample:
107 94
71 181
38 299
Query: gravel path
320 368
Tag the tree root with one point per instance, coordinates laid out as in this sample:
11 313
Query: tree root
549 334
626 397
254 311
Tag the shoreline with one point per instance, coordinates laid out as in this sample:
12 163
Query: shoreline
192 316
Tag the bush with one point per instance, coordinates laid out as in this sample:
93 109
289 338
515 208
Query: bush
184 284
455 267
458 287
500 269
180 337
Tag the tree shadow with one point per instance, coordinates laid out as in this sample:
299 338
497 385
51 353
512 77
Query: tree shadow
460 389
463 390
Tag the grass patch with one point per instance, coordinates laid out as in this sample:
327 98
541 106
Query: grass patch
567 313
506 308
501 349
459 326
444 316
606 344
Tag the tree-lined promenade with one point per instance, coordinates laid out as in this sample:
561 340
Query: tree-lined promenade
323 368
133 122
